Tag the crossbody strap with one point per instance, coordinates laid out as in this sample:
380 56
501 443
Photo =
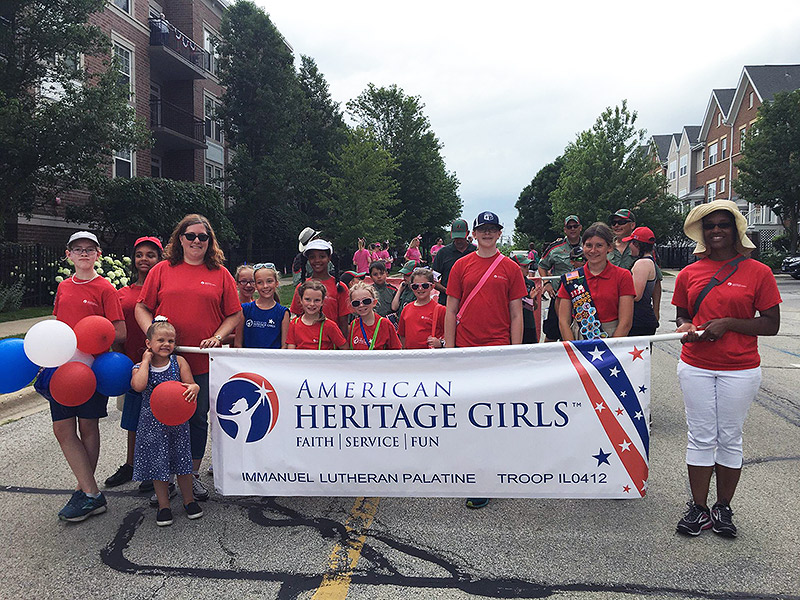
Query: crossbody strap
478 287
718 278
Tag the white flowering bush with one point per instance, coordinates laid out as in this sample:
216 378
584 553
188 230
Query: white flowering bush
117 271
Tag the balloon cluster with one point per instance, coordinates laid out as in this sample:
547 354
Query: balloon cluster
84 364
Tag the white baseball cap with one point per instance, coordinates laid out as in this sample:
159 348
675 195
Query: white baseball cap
319 245
83 235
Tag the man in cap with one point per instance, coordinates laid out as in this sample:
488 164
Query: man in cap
556 262
622 224
447 256
404 294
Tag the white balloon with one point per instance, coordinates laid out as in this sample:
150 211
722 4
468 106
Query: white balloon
50 343
83 357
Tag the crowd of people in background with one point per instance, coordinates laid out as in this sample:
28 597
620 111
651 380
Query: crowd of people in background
601 282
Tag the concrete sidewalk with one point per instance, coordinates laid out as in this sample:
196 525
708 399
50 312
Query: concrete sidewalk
9 328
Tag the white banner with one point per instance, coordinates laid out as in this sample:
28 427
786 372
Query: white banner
546 420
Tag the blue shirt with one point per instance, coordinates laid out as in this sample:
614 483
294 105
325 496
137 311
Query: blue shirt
262 328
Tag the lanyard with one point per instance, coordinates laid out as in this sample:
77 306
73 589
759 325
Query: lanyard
364 332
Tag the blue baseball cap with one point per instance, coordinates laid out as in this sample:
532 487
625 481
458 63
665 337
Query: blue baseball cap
486 218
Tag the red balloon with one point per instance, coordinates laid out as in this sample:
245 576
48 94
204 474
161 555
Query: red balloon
73 383
168 404
95 334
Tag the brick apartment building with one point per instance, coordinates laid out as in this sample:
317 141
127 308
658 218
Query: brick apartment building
167 58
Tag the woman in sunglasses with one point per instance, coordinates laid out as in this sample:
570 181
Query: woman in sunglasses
422 321
369 330
199 297
719 370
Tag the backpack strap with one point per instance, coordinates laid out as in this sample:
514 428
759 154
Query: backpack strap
719 277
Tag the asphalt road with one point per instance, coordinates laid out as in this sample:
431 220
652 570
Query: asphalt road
423 548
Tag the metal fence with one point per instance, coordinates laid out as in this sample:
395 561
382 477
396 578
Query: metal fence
33 265
675 256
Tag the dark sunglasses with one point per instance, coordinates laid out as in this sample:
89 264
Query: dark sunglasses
575 226
618 222
365 302
203 237
424 286
723 225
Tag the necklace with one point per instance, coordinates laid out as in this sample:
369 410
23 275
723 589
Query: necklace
76 282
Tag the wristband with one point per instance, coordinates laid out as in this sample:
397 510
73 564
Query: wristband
219 337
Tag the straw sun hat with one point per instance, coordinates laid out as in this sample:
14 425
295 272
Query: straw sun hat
693 226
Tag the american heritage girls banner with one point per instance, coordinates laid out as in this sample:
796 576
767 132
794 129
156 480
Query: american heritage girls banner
559 420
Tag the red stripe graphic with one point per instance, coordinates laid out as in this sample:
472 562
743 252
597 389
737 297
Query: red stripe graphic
631 458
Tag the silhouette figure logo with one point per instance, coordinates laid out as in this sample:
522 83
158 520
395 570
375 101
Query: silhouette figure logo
247 407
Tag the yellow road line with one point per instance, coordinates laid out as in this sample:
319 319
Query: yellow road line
344 556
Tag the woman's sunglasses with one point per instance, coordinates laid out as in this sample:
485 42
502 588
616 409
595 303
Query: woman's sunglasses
723 225
267 265
203 237
365 302
424 286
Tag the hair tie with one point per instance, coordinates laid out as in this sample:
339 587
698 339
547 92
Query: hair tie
160 319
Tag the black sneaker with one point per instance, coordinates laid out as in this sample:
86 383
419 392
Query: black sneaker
164 517
146 487
193 510
172 492
123 475
722 520
695 520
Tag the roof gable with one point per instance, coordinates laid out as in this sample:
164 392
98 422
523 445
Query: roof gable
767 80
720 98
661 142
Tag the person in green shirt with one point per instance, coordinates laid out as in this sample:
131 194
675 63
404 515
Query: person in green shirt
556 262
447 256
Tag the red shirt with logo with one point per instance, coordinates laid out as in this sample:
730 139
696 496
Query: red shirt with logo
387 336
606 289
335 304
134 342
306 337
417 323
487 319
195 299
751 288
76 299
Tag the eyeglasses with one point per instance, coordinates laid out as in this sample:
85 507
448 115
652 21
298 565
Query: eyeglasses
86 251
203 237
247 282
618 222
365 302
424 286
723 225
575 226
258 266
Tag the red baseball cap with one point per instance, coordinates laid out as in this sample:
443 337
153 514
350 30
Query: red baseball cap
153 240
641 234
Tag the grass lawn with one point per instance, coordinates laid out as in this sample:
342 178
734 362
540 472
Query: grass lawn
26 313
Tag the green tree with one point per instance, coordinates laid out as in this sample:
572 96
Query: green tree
769 170
607 168
123 209
59 122
534 222
360 198
262 109
427 192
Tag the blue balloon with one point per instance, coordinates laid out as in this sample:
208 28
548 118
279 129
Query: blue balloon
16 369
113 373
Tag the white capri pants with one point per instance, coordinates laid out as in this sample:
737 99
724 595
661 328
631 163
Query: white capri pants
716 407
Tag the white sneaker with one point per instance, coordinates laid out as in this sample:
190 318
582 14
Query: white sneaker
199 491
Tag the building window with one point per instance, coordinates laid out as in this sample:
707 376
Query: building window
213 127
684 164
671 170
123 164
123 5
721 185
711 191
719 119
702 159
723 148
742 137
125 66
155 167
751 100
712 154
210 41
214 176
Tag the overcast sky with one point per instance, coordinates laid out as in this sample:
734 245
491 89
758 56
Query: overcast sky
508 84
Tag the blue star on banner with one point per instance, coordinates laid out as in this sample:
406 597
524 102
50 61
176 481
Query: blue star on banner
602 457
642 389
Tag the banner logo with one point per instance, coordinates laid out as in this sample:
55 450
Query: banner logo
247 407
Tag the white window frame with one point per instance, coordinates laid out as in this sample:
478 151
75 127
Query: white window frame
721 185
129 10
128 156
671 170
719 119
211 48
712 154
217 134
711 191
683 165
723 152
127 46
702 159
214 171
742 138
751 99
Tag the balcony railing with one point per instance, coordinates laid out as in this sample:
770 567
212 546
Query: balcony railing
162 33
164 115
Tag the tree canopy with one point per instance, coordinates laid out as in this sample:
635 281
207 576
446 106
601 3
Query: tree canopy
608 167
59 122
534 220
769 170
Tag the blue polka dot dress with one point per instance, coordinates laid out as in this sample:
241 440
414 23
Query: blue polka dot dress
161 450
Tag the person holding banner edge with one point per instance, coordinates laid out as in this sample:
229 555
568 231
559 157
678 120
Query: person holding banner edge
484 298
719 369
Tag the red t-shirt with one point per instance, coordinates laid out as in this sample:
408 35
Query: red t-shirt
751 288
306 337
606 290
487 319
134 342
195 299
416 323
97 296
334 306
387 336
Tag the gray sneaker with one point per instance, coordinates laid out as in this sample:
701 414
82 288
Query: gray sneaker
172 493
199 491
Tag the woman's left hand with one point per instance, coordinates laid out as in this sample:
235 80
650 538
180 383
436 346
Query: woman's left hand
714 329
211 342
